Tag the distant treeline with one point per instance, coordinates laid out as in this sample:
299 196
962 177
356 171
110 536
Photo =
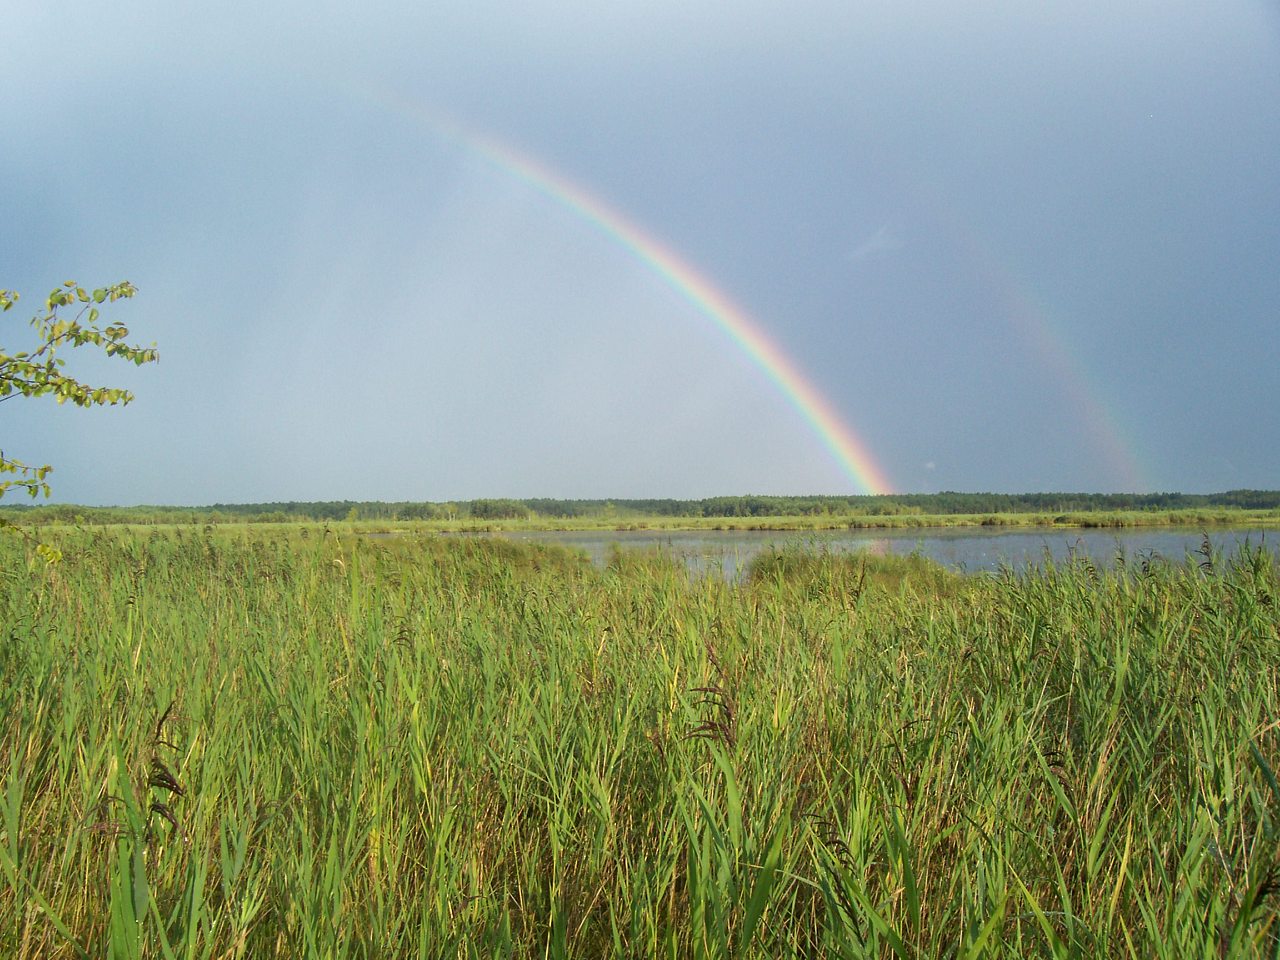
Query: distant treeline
744 506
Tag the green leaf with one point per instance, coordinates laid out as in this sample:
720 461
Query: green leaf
764 884
39 371
50 555
1267 773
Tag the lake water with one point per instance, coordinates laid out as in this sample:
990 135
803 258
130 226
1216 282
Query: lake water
965 548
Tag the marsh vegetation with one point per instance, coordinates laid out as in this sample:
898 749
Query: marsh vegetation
257 742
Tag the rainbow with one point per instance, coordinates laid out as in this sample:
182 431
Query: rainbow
845 447
1032 317
1084 396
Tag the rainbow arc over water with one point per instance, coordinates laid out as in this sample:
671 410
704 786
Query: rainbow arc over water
844 445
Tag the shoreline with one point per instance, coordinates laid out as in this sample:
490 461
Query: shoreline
1092 520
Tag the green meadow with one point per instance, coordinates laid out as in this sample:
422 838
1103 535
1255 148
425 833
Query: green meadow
260 741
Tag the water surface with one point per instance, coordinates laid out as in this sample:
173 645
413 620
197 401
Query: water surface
972 549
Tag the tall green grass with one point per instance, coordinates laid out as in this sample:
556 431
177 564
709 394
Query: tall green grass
284 743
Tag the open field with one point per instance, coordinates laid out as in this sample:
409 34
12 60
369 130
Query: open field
277 742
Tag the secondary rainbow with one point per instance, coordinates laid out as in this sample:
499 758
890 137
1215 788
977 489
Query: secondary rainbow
1033 317
848 450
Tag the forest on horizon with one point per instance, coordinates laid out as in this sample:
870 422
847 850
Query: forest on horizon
922 504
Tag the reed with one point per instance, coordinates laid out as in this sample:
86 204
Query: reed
294 742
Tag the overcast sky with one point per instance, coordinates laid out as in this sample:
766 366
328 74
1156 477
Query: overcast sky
1016 246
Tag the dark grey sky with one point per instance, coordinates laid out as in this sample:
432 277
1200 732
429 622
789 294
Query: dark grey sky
1016 246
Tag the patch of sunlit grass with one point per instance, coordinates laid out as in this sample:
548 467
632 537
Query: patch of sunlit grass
305 742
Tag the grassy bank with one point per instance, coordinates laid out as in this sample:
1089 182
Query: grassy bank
260 743
1192 519
907 511
1225 517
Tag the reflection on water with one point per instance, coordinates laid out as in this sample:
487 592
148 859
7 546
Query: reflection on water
963 548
